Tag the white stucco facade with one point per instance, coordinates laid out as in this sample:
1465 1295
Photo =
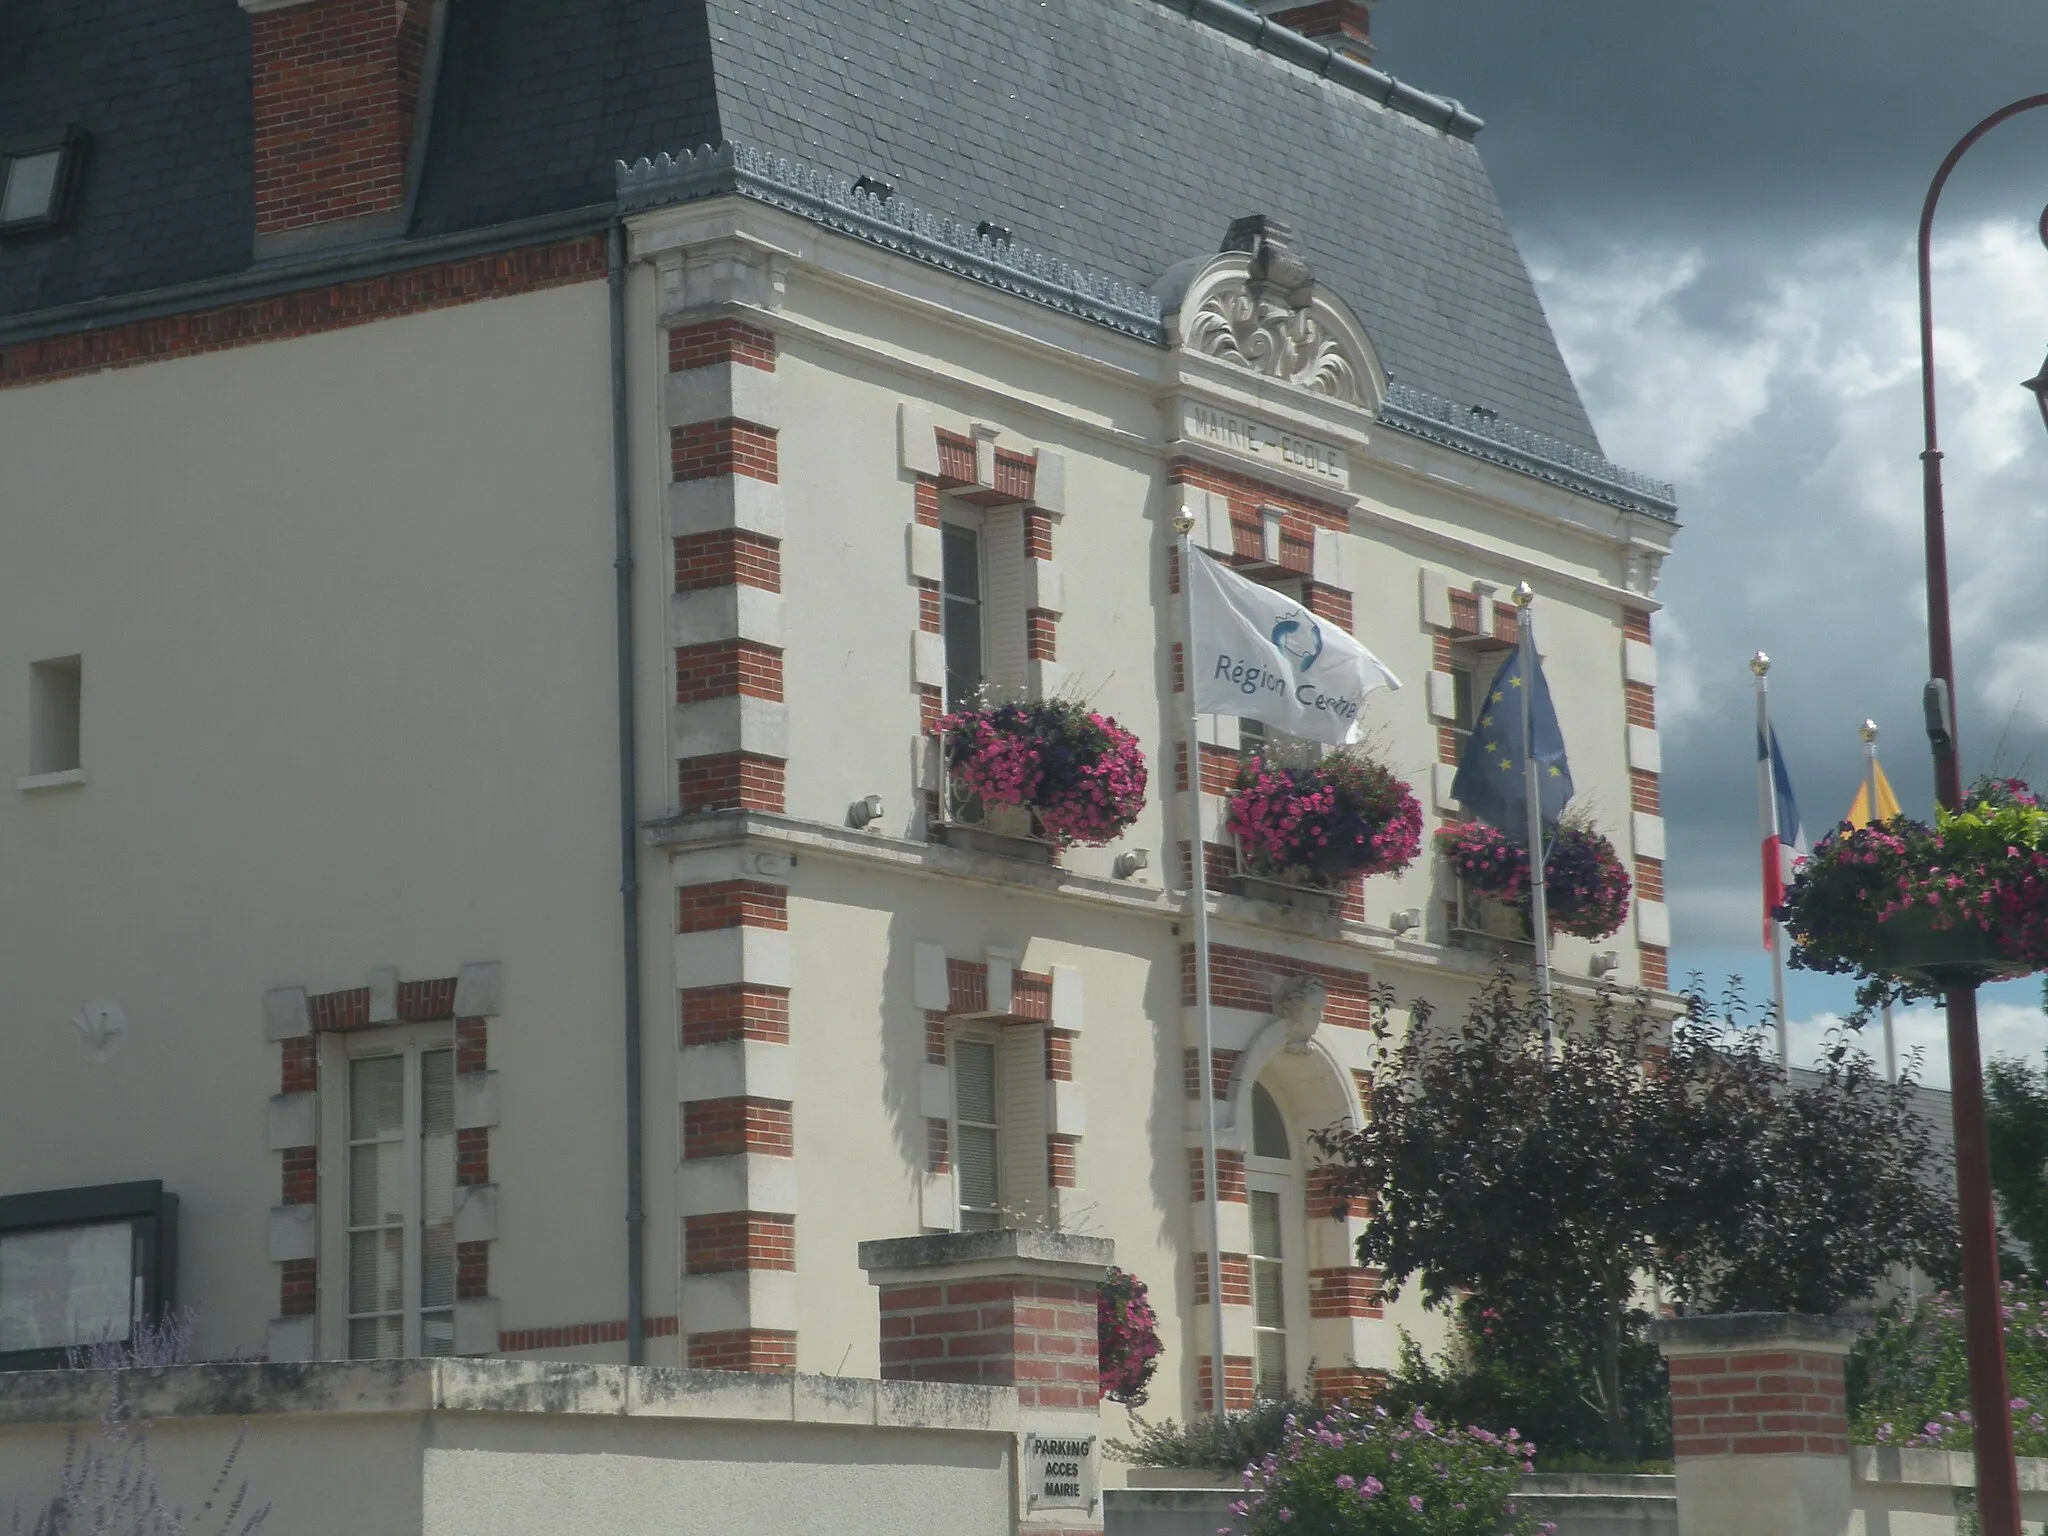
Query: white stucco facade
343 604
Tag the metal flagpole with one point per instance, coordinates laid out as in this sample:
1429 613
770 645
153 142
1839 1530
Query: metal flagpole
1539 915
1869 735
1767 818
1198 896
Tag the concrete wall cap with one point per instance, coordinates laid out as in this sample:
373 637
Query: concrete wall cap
244 1390
1714 1332
959 1255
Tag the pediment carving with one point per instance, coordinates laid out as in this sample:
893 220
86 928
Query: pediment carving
1257 305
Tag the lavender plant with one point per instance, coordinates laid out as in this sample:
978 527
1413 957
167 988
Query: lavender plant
107 1485
1909 1378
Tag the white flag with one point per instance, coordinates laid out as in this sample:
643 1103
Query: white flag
1260 654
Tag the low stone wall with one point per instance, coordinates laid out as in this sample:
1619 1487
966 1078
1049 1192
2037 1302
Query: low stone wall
514 1448
1901 1492
1170 1501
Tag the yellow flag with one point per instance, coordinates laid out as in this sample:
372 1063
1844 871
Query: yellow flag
1887 802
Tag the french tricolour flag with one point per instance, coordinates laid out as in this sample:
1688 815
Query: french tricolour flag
1784 844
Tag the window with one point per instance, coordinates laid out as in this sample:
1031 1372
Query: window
977 1139
1472 672
37 175
81 1267
962 617
401 1200
1274 1195
54 690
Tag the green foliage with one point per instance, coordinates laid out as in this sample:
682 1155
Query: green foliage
1228 1444
1545 1165
2016 1118
1530 1380
1909 1378
1364 1472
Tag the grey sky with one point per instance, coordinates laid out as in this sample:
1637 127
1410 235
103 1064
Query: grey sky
1719 201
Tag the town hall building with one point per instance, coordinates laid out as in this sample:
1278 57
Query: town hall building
494 501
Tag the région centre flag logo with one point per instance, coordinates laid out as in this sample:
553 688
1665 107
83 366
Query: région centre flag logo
1261 655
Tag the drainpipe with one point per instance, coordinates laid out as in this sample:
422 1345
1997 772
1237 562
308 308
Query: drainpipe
629 803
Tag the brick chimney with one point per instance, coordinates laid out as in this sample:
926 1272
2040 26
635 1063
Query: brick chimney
1345 25
340 116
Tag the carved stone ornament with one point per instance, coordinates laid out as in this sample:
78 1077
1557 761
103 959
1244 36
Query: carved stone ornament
1645 566
1298 1002
1258 305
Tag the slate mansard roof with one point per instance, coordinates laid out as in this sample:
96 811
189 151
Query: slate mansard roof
1122 135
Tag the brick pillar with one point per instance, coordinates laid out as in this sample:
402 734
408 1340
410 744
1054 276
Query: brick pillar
1759 1423
1007 1309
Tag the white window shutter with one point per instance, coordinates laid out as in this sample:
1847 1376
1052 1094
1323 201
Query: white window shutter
1022 1076
976 1160
1009 664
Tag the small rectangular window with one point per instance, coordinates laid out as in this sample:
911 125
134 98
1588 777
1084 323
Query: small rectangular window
401 1204
976 1139
37 173
961 593
54 689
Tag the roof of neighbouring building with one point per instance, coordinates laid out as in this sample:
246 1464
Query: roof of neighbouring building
1123 135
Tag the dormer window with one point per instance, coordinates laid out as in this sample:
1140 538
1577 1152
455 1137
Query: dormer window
37 174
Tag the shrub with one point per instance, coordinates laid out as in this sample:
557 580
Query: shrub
1127 1336
1364 1472
1325 822
1533 1375
1226 1444
1082 773
1909 1378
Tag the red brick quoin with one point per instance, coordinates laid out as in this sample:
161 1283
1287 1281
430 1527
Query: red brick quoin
1003 1309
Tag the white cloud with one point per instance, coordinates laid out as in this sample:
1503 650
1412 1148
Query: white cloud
2003 1029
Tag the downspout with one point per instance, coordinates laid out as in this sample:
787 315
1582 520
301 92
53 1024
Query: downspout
629 803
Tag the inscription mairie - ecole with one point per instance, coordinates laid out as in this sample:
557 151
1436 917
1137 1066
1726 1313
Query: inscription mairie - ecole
1243 435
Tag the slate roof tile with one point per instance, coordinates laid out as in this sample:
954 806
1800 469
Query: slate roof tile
1120 134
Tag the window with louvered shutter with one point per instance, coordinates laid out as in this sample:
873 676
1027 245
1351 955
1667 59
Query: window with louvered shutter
977 1137
1026 1187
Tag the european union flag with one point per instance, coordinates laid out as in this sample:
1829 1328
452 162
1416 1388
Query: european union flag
1492 782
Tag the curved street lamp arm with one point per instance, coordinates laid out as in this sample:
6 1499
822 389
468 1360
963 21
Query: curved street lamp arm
1963 147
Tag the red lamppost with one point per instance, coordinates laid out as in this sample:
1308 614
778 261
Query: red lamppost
1998 1496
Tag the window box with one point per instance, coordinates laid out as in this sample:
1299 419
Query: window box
83 1266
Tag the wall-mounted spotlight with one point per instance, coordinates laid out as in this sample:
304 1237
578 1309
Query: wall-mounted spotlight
881 191
989 229
864 810
1604 963
1128 864
1406 922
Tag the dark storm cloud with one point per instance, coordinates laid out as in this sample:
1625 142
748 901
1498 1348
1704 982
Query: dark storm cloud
1633 112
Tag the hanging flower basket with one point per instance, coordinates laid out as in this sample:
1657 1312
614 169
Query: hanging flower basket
1325 822
1903 905
1080 773
1586 887
1127 1336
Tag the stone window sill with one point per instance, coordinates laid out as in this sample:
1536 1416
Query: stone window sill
63 779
